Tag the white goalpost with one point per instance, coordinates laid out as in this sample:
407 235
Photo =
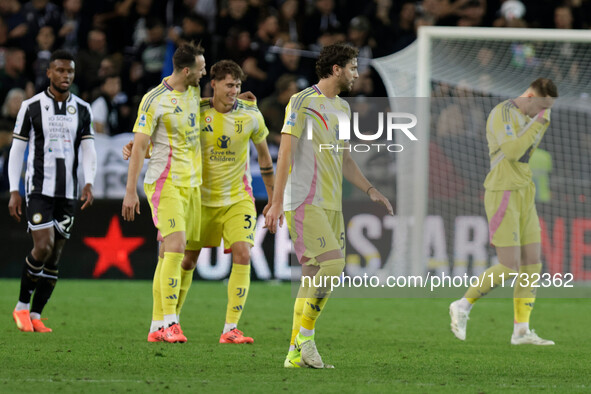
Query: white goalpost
457 75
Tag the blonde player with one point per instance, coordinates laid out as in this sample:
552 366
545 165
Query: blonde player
169 116
309 189
227 204
514 130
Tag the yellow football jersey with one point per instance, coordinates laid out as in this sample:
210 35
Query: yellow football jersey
225 140
316 175
512 138
171 118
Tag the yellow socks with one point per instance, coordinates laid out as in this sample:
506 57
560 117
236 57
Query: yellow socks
497 273
238 285
524 295
186 280
170 278
317 296
157 314
298 309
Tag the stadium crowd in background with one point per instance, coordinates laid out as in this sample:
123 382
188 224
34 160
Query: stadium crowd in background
135 39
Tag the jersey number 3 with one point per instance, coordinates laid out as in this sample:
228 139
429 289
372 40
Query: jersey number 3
248 221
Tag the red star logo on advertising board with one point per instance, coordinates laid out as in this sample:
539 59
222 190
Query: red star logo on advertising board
113 249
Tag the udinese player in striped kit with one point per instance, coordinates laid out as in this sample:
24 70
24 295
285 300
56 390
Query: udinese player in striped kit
56 125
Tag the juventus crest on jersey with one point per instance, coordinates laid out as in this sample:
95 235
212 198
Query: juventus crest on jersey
54 131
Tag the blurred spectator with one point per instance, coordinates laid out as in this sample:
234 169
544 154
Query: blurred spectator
455 13
273 107
359 37
45 41
256 66
11 11
88 62
236 15
237 46
511 14
193 29
3 35
13 75
72 30
10 109
563 17
130 27
149 60
329 37
110 110
109 65
207 9
405 32
39 13
290 25
322 20
382 20
472 13
290 62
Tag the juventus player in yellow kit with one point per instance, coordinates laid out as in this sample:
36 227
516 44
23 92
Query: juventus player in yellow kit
169 116
312 181
514 130
228 124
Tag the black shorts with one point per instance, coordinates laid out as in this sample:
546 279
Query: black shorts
45 212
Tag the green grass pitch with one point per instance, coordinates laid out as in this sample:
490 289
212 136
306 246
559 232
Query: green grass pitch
377 345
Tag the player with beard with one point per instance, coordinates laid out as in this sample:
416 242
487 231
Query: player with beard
308 191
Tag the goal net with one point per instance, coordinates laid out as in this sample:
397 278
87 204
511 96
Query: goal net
462 73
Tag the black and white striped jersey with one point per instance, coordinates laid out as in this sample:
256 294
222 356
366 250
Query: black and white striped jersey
54 131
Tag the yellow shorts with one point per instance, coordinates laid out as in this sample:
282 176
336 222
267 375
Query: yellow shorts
175 209
512 217
314 231
235 223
